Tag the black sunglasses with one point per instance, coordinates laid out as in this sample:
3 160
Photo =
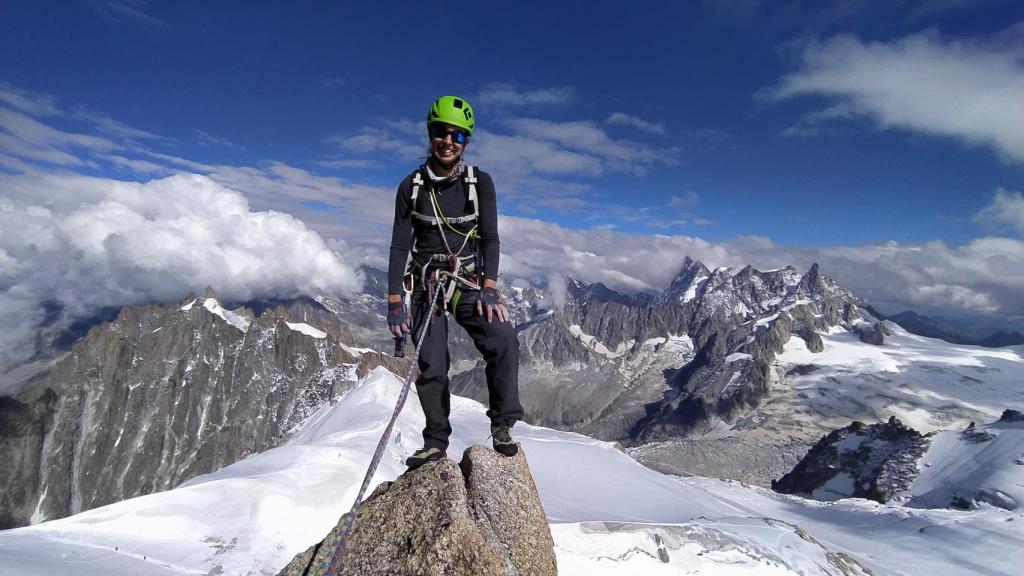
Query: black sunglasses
441 132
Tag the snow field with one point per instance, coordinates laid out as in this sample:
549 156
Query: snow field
608 513
928 384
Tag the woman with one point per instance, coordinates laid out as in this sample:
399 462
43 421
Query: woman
446 215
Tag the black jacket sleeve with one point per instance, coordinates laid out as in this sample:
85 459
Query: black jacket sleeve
490 246
401 237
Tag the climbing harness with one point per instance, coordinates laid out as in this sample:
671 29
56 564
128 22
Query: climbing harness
469 179
462 268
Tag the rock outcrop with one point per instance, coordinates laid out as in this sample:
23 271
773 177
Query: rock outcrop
480 518
1010 415
875 462
875 335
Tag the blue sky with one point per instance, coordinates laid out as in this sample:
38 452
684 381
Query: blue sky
871 136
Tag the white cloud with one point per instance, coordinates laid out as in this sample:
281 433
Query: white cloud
142 166
1006 210
27 138
501 94
689 198
983 277
585 137
518 154
970 90
394 140
26 101
623 119
359 214
91 242
121 11
207 139
113 128
539 250
535 162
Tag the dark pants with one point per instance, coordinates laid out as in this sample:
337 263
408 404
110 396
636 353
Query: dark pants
500 348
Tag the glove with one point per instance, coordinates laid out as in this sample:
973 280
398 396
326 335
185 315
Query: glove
399 321
492 304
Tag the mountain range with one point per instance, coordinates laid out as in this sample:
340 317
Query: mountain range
731 374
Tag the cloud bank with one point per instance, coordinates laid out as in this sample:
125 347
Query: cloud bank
969 90
982 277
84 243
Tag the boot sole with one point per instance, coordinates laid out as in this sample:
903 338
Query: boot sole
414 464
507 449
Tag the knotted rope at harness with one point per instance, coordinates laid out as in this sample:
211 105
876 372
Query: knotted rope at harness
340 542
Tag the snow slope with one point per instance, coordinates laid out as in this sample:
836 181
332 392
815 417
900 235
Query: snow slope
928 384
981 464
609 515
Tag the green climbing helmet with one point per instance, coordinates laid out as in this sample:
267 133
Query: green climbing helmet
452 110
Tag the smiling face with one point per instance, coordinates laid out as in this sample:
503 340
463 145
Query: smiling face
444 143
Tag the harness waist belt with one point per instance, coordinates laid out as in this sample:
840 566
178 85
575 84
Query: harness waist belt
433 220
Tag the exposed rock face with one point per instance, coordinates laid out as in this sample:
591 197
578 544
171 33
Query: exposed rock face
22 430
162 394
1010 415
480 518
875 462
876 335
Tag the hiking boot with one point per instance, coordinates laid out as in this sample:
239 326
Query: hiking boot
422 456
502 437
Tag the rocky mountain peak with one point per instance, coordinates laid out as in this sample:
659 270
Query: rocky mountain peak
209 293
596 292
685 285
811 282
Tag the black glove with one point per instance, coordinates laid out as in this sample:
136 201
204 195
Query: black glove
492 304
399 321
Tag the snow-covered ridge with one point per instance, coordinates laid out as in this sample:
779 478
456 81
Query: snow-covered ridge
236 320
594 344
306 329
609 515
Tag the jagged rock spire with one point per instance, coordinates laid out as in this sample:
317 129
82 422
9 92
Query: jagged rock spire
690 273
811 283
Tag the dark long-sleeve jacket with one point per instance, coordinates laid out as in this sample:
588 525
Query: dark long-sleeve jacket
453 199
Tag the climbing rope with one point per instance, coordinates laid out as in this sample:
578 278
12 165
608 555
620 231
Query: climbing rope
440 277
340 541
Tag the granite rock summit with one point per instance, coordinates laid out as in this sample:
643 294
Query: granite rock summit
482 517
